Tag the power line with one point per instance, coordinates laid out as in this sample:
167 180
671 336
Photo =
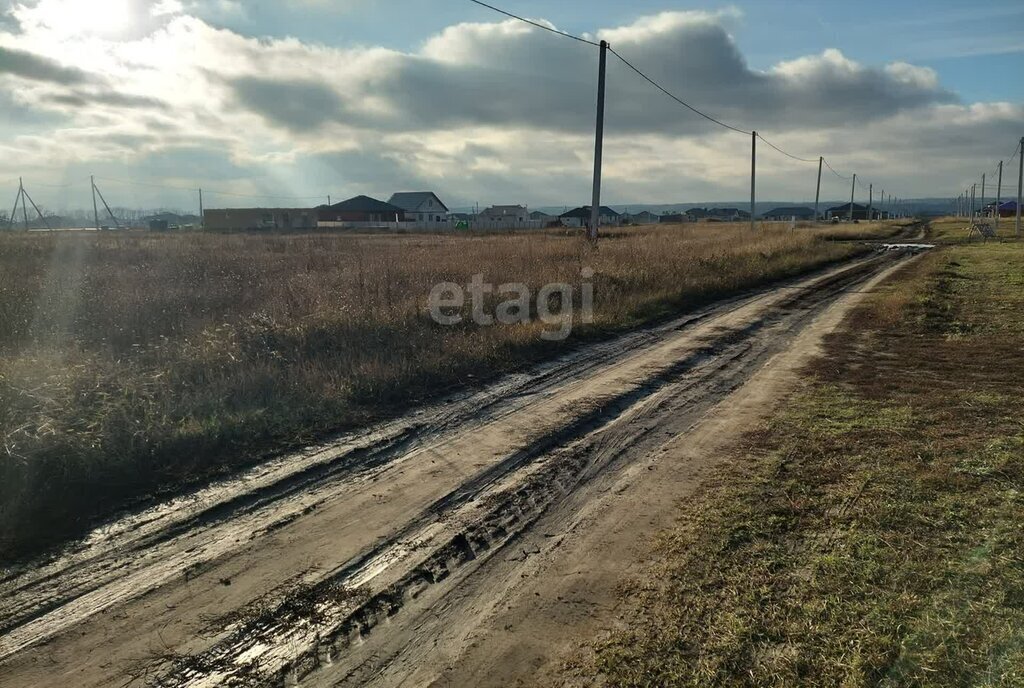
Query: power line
686 105
834 172
790 155
537 24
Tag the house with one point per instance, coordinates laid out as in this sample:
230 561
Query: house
580 217
727 214
674 218
787 213
259 218
696 214
644 217
542 217
423 207
842 212
1008 209
360 211
504 217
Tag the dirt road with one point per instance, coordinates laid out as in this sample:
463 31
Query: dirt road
465 544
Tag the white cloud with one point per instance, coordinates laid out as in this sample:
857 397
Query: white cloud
484 111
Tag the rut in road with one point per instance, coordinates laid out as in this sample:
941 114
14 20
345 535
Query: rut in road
323 631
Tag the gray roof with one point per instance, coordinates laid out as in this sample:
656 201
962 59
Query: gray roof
412 200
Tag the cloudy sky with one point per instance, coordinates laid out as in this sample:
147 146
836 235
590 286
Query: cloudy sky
305 98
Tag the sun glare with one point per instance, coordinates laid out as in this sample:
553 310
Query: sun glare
107 19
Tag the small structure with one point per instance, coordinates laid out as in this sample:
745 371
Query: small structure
360 211
788 213
580 217
675 218
228 219
422 207
543 218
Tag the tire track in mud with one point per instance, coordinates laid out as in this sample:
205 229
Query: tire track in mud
142 551
482 515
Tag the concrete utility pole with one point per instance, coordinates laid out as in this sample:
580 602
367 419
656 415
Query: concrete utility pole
202 218
853 190
24 208
753 175
817 194
982 207
1020 180
871 199
95 211
595 206
974 188
999 193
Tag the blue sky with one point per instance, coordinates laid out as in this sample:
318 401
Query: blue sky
305 98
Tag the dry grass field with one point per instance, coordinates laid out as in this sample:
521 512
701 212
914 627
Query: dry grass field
132 364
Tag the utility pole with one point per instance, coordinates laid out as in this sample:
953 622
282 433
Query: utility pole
981 210
1020 181
753 175
999 194
595 206
871 200
974 188
95 212
817 194
24 209
853 190
202 217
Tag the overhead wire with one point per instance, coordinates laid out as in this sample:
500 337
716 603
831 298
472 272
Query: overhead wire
657 85
536 24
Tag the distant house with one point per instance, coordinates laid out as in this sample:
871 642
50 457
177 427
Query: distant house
696 214
360 211
728 214
644 217
1008 209
842 212
227 219
580 217
787 213
421 206
504 217
674 218
542 217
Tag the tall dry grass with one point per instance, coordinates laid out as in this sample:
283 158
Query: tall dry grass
134 363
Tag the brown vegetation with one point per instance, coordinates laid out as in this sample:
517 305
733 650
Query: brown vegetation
133 363
870 533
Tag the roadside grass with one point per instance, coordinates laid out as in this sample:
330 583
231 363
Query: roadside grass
869 534
133 364
953 230
862 230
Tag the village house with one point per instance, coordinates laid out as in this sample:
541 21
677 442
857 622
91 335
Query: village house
580 217
360 211
504 217
644 217
789 213
421 207
860 212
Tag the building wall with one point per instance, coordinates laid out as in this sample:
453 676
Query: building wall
259 218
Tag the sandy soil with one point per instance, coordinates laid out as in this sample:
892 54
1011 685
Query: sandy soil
468 544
